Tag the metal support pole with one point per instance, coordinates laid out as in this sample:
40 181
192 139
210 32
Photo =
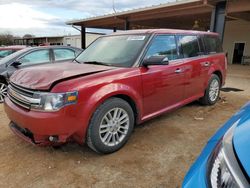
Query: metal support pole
83 37
127 25
218 19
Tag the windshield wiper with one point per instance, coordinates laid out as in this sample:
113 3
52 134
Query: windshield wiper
77 61
96 63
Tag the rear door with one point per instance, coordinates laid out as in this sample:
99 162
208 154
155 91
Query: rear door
163 85
197 63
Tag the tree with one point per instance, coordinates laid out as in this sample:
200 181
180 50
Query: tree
28 36
6 39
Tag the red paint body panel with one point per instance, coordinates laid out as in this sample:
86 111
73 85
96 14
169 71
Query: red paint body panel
154 90
46 75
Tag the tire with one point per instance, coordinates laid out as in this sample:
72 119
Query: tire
3 90
212 92
106 134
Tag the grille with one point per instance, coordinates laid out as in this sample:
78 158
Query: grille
22 97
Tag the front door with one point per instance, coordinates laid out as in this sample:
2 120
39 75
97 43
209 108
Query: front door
33 58
162 84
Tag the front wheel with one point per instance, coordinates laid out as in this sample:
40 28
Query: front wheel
3 91
111 126
212 92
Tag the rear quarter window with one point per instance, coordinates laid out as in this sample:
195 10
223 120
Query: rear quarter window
212 44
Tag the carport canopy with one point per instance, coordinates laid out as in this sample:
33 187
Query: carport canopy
185 14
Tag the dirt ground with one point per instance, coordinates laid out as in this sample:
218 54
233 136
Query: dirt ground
158 154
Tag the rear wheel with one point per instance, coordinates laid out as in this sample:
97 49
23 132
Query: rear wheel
111 126
3 91
212 92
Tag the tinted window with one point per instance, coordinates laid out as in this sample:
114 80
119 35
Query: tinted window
201 45
189 46
213 44
36 57
63 54
163 45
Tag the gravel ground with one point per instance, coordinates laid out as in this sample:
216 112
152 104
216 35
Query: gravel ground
158 154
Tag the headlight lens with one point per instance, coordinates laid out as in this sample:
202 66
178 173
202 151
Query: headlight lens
55 101
219 174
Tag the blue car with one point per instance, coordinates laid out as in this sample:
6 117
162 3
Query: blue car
225 161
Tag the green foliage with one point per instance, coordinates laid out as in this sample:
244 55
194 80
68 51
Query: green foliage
6 39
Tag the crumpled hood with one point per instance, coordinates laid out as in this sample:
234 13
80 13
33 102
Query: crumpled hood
42 77
241 139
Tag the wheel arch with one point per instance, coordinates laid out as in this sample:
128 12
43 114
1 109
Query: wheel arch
130 101
2 78
219 74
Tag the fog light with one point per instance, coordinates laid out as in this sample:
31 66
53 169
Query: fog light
53 138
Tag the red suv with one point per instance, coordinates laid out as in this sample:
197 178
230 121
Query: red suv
120 80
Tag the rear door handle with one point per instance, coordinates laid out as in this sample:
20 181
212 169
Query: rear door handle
178 71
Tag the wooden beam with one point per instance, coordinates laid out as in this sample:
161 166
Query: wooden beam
238 6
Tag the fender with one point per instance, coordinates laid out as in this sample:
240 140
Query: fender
114 89
94 99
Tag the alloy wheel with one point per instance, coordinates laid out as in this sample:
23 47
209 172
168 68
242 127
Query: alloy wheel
214 90
3 92
114 127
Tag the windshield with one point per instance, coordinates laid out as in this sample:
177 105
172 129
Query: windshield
120 51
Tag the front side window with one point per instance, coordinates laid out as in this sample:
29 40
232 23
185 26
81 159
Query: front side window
36 57
163 45
213 44
189 46
63 54
120 50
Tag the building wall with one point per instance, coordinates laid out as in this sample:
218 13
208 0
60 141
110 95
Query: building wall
55 41
75 40
236 31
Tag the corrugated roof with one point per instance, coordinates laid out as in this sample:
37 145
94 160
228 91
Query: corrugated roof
123 13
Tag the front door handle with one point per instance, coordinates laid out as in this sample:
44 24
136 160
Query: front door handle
178 71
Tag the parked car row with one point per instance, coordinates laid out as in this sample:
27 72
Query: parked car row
32 57
122 80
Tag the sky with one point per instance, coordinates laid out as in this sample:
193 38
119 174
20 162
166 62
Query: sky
48 17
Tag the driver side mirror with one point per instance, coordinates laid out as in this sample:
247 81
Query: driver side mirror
16 64
156 60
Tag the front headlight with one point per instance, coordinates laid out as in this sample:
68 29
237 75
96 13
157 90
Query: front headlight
219 174
54 101
223 168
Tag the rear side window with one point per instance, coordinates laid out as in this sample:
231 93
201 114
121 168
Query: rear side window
212 44
163 45
63 54
189 46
